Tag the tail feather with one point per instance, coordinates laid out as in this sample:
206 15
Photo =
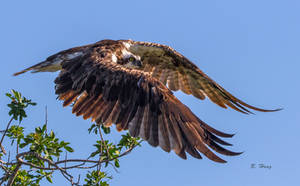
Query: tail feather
53 63
45 66
21 72
34 67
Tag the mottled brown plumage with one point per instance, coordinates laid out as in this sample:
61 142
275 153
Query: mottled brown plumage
124 83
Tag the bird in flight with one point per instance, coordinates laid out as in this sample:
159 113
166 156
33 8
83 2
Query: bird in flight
129 83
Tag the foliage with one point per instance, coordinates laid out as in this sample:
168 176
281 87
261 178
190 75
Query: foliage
17 105
38 153
97 178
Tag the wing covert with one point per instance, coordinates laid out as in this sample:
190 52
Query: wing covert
179 73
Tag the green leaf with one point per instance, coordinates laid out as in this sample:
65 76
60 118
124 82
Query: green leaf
22 145
17 105
117 164
93 154
106 130
44 128
33 147
9 95
69 149
52 135
49 179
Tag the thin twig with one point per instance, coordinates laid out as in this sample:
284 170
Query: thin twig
8 158
78 180
14 174
4 168
114 167
2 138
66 157
63 172
55 164
46 118
101 148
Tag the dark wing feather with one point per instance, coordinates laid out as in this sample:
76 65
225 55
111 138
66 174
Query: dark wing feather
132 99
179 73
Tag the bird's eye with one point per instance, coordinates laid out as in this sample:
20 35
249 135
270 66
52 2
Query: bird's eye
131 59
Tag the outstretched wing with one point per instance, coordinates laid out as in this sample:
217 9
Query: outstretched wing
179 73
134 100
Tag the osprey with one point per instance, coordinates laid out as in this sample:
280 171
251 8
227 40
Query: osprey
129 83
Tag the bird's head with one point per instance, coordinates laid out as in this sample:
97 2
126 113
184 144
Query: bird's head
126 58
130 60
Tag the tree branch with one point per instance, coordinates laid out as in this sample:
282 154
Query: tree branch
14 174
2 138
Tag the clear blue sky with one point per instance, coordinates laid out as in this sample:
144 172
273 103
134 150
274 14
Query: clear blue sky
249 47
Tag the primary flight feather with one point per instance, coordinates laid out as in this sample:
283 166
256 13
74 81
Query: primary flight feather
129 83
